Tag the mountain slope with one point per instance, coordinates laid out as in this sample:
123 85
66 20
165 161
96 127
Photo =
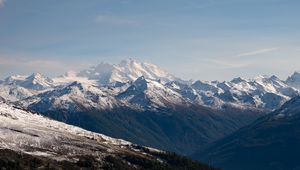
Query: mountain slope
28 140
270 143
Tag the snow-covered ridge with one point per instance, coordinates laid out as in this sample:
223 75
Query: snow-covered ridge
288 109
36 81
21 130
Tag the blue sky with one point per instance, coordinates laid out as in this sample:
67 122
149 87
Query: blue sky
198 39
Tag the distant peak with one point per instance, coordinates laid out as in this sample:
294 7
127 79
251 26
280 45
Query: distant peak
75 83
261 77
141 82
294 77
294 80
273 77
102 64
125 71
238 80
36 75
296 74
70 74
128 61
140 79
16 77
198 82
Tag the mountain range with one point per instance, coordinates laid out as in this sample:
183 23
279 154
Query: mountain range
126 79
146 105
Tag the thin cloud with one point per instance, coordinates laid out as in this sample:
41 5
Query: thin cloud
10 62
257 52
32 64
106 19
228 64
2 2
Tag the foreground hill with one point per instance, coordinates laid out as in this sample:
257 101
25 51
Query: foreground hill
31 141
270 143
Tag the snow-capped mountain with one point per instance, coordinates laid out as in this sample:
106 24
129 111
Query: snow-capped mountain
146 93
31 141
125 71
294 80
35 81
74 97
144 85
141 94
261 92
19 87
15 93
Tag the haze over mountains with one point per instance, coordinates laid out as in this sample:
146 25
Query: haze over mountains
144 104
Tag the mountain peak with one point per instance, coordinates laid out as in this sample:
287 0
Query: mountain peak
294 77
127 70
70 74
261 77
296 73
13 78
274 77
75 83
127 62
141 83
140 79
35 81
294 80
38 77
38 81
37 74
238 80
